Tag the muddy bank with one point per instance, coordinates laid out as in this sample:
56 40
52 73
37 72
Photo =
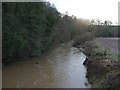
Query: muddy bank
103 71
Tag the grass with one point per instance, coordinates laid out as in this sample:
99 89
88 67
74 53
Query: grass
96 81
107 75
113 55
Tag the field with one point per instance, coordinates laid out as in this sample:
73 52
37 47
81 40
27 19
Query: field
110 43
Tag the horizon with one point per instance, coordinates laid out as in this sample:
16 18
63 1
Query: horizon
90 10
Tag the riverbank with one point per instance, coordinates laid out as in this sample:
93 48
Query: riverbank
103 70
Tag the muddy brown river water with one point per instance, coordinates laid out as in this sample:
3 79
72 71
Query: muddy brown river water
60 68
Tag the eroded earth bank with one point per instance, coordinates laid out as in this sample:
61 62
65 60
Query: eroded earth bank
103 70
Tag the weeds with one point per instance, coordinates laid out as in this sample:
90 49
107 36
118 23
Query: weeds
111 54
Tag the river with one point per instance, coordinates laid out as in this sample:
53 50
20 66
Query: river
60 68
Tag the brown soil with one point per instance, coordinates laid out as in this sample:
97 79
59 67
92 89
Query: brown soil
103 71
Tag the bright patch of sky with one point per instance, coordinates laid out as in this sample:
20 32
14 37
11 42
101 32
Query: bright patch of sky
89 9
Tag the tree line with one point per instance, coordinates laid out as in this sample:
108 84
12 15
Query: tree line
27 29
104 28
31 28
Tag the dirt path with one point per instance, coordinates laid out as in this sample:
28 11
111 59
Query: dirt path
111 43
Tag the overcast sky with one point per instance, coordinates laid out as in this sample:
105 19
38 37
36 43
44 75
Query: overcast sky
89 9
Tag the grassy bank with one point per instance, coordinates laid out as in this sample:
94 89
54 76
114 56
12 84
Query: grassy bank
103 66
111 54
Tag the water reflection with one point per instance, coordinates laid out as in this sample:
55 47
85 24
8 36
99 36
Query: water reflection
61 68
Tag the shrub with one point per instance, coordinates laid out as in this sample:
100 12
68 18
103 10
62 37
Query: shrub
83 38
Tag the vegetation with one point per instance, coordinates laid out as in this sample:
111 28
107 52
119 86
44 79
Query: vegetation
84 38
103 71
106 31
31 28
27 29
113 55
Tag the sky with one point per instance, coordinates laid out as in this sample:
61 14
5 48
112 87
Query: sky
89 9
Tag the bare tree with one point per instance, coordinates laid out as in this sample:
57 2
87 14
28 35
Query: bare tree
92 21
98 21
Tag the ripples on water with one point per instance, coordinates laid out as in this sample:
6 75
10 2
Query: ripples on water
61 68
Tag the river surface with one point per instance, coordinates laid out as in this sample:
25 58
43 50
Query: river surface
60 68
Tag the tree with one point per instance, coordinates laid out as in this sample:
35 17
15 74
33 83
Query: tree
92 21
27 29
98 21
